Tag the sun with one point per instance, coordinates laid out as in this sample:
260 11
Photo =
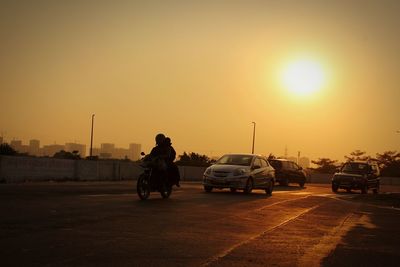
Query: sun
303 77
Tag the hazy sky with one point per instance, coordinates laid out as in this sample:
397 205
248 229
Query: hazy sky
201 72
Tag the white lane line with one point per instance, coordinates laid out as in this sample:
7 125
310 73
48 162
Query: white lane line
232 248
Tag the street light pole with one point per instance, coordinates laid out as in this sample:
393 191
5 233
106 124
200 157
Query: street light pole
91 137
254 136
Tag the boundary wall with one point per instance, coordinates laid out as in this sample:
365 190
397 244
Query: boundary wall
14 169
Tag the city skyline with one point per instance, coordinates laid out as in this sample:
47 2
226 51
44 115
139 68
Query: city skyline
319 77
104 151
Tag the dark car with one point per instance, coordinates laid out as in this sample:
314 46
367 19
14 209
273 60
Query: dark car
240 171
357 175
287 171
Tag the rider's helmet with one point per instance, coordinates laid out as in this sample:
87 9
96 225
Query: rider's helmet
160 138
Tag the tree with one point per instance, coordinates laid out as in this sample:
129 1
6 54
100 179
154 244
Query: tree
6 149
194 159
325 165
62 154
357 155
389 162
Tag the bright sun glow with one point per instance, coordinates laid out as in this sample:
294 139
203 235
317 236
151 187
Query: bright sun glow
303 77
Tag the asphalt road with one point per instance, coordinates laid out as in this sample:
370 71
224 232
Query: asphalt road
104 223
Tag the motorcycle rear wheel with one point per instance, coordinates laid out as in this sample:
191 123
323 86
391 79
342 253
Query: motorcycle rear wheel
143 187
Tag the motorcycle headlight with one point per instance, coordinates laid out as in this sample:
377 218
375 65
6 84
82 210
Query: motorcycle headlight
238 172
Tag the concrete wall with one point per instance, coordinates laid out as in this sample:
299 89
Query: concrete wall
20 169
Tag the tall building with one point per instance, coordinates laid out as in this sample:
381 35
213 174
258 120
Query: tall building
134 151
71 147
34 147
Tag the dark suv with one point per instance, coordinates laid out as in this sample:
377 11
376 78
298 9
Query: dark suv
288 172
357 175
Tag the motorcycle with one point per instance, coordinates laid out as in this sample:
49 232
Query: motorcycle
152 180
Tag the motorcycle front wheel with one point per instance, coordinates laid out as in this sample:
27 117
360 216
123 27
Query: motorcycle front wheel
143 187
166 191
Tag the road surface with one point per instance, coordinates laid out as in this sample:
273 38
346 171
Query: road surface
104 223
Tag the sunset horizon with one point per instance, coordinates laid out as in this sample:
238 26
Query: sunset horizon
317 77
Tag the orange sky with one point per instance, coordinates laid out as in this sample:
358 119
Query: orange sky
201 72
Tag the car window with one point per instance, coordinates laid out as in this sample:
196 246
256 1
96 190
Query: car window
295 166
264 163
285 165
244 160
276 164
354 167
257 162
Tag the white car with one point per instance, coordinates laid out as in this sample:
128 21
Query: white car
240 171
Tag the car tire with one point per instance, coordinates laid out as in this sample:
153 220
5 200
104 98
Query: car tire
270 188
335 188
364 189
301 184
376 189
249 186
233 190
348 190
208 189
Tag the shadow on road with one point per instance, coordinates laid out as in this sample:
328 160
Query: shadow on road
288 188
373 241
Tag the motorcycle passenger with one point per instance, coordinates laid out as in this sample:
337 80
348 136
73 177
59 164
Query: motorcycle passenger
173 171
159 156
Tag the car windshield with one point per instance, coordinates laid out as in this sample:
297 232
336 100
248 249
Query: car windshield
276 164
243 160
353 167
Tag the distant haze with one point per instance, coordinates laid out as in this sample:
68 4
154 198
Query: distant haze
201 72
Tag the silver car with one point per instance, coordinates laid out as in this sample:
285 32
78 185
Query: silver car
240 171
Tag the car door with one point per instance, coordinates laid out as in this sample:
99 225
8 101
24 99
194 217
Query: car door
269 172
258 171
373 177
296 172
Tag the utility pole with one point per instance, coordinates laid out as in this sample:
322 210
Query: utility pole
91 138
254 136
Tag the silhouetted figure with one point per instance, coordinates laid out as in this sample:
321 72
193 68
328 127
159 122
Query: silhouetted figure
159 157
173 170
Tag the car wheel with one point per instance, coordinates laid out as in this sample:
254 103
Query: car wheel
249 186
376 190
233 190
335 188
208 189
364 189
301 184
270 188
348 190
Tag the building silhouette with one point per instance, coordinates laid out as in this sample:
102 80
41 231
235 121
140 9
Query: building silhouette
34 147
135 150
